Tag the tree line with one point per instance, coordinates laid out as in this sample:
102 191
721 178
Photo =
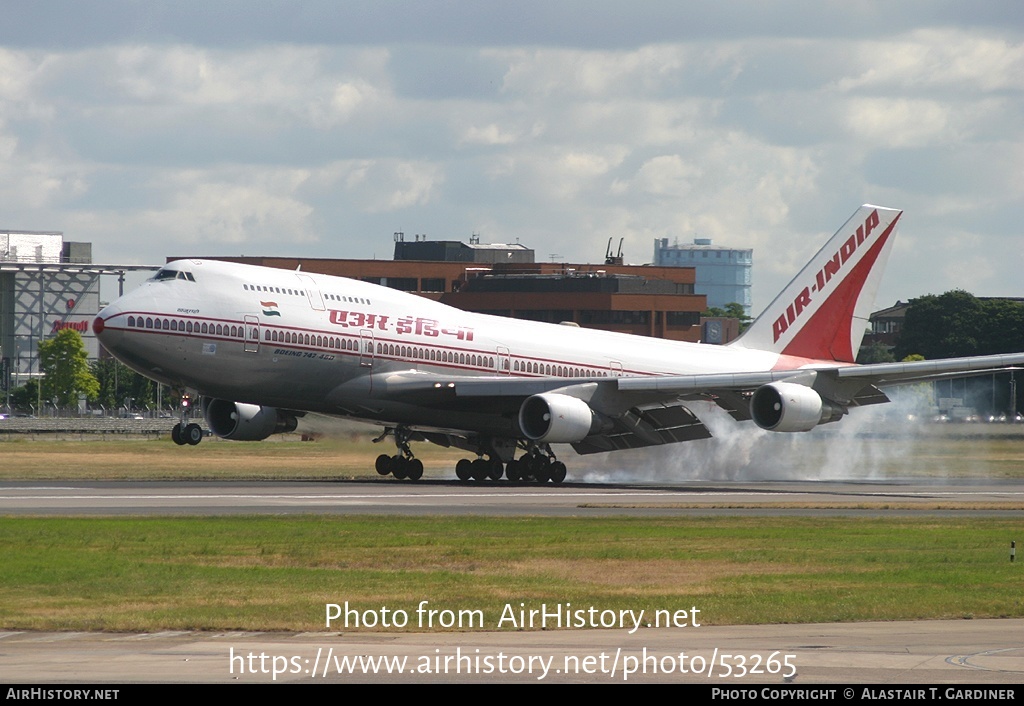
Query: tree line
957 324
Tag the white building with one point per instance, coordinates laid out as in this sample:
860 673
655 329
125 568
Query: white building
46 285
723 274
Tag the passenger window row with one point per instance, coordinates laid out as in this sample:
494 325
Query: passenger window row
262 288
390 350
160 324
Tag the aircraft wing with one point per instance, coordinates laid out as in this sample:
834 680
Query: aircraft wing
652 410
649 415
847 385
918 371
877 374
648 411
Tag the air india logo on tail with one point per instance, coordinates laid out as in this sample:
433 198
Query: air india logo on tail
270 308
833 267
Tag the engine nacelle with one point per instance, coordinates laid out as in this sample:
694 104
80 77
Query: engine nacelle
245 422
786 406
554 418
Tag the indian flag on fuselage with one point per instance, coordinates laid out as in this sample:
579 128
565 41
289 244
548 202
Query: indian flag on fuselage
270 308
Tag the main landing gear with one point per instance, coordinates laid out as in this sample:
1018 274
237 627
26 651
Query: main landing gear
185 432
402 465
479 469
537 464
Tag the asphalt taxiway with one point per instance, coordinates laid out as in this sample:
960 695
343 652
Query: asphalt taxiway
940 652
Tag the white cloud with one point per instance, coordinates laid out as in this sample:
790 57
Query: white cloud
569 72
340 105
382 186
667 175
761 139
315 85
896 122
490 134
202 212
412 185
946 58
30 181
217 212
560 175
16 74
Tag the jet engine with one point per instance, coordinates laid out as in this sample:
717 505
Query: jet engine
786 406
246 422
554 418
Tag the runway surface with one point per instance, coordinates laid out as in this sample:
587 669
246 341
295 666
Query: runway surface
434 497
973 652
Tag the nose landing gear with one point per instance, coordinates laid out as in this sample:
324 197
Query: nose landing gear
186 432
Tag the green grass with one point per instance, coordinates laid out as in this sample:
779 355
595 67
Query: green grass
968 451
271 573
213 459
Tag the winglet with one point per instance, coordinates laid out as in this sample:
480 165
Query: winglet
823 313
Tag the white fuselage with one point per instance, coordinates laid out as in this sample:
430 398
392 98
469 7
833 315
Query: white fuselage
327 344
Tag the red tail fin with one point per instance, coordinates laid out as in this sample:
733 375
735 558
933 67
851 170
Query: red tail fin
823 313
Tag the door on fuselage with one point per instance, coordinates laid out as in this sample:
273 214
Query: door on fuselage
366 348
316 300
252 334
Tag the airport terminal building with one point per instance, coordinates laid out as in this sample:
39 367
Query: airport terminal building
46 284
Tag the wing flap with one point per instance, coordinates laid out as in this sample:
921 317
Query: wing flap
733 402
650 425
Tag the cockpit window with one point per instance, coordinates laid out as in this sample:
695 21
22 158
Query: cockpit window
166 273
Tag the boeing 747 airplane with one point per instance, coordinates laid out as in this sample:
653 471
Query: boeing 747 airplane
264 346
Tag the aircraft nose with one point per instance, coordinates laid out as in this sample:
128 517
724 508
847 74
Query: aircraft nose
99 324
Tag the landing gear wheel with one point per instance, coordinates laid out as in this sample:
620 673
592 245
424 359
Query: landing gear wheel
464 469
399 467
176 435
495 469
557 471
542 473
481 469
512 471
193 434
383 464
534 467
414 469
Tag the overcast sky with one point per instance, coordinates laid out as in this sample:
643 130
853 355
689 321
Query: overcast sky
318 129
